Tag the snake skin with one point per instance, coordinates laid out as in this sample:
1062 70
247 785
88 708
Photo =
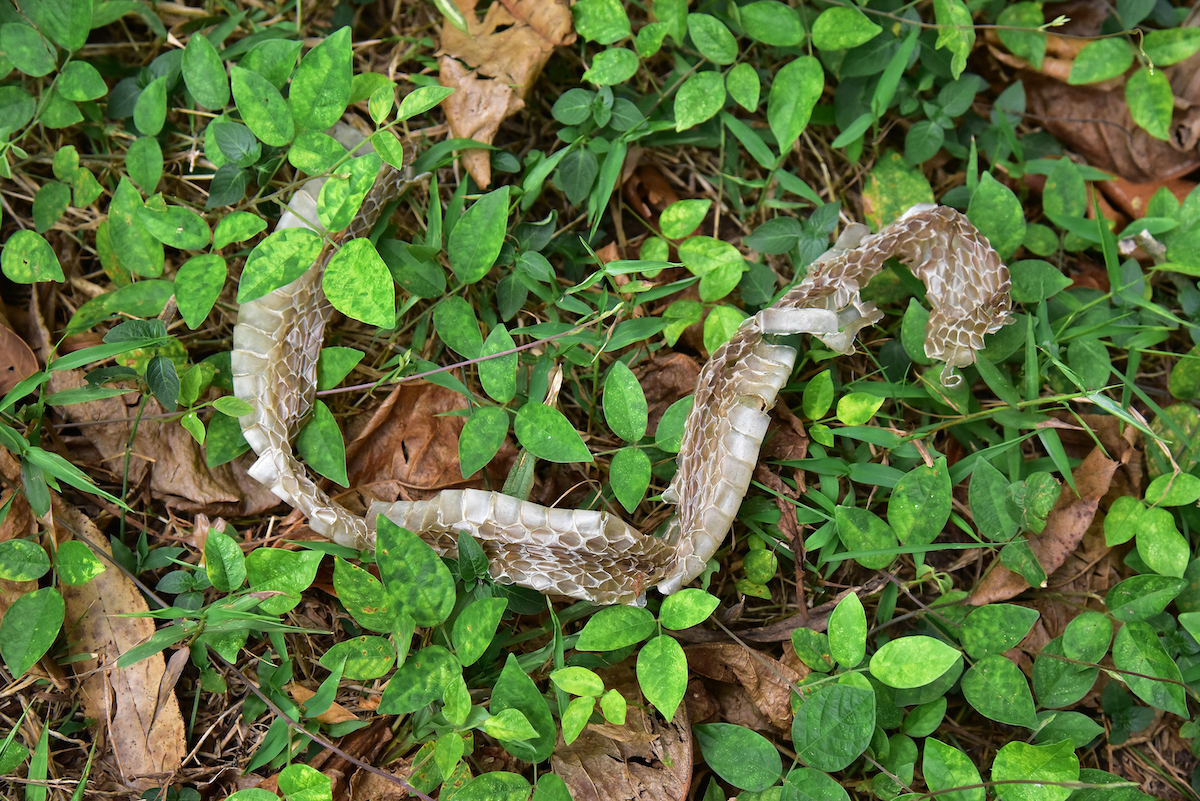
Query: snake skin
594 555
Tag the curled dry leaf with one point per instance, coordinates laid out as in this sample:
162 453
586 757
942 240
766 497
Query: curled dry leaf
493 65
144 731
645 758
748 687
336 713
17 361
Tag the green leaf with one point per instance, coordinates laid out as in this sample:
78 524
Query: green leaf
22 560
742 757
481 439
475 627
1171 45
1158 682
995 628
772 23
998 690
1160 544
998 215
420 100
988 497
718 263
75 563
515 690
920 504
956 32
457 325
163 381
277 260
629 475
421 680
358 284
794 93
29 628
806 784
578 681
27 51
576 717
287 572
669 434
67 22
625 408
611 67
662 673
1150 101
742 82
28 258
601 21
841 28
1059 683
49 204
315 153
615 627
945 767
547 434
224 561
334 364
833 726
1173 489
1100 60
136 249
389 148
320 444
150 111
700 97
1029 44
302 783
509 724
848 632
686 608
498 785
860 530
720 326
175 226
683 217
144 160
204 74
914 661
1142 597
818 396
1028 766
1087 637
712 38
477 237
364 597
262 107
198 284
342 195
416 578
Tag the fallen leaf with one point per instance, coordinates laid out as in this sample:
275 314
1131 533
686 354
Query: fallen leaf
493 66
736 673
336 713
17 361
144 732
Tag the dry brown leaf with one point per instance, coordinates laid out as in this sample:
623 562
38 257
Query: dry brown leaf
739 675
408 446
144 731
19 523
493 66
645 758
178 474
1069 520
336 713
17 361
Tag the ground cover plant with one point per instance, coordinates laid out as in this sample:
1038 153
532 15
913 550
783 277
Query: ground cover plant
982 591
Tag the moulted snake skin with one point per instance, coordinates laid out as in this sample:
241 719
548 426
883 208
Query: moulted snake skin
594 555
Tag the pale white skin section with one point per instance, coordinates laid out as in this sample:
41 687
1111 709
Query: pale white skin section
594 555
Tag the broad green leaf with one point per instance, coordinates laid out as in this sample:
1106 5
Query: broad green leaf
742 757
998 690
28 258
358 284
286 572
772 23
1171 45
913 661
625 408
686 608
860 530
420 100
998 215
1150 101
75 563
629 475
176 226
320 89
995 628
224 561
364 658
662 674
262 107
67 22
26 50
150 112
1173 489
712 38
833 726
812 785
1160 544
857 408
509 724
1100 60
794 93
841 28
743 84
892 188
320 444
547 434
1021 763
1078 728
945 767
415 577
578 681
136 250
277 261
421 680
478 236
848 632
1142 597
920 504
481 439
700 97
198 284
342 195
498 373
334 364
683 217
144 160
615 627
601 21
1028 44
315 153
301 783
720 326
475 627
1158 682
497 785
1035 280
49 205
364 597
956 32
1059 683
818 396
204 74
612 66
576 717
456 324
515 690
22 560
1087 637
